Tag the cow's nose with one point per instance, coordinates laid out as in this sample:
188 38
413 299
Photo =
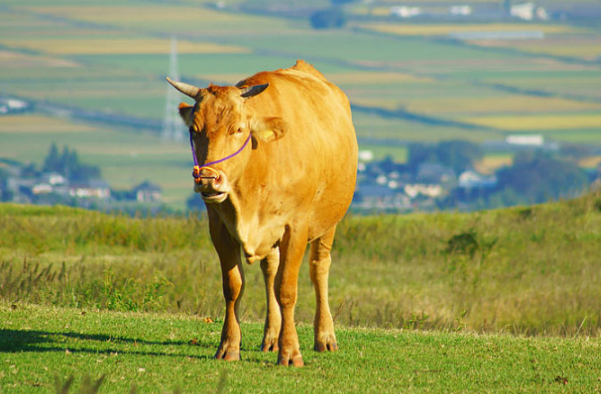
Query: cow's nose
211 180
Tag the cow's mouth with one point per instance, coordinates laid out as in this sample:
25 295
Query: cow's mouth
213 197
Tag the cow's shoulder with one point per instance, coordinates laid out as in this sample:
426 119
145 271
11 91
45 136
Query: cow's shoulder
307 68
301 69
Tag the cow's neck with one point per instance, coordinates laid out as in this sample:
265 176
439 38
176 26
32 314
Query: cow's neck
240 214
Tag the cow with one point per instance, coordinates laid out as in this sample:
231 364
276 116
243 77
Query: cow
276 165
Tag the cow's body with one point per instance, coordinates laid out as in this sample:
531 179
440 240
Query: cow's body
291 187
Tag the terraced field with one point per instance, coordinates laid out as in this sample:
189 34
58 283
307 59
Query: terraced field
407 81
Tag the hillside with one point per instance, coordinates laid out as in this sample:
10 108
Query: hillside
526 271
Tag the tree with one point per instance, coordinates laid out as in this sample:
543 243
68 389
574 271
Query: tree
330 18
418 153
458 155
52 160
68 164
538 177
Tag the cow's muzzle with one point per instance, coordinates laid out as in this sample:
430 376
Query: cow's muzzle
211 184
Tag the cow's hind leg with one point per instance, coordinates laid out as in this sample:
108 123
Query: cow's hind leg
273 320
319 268
232 277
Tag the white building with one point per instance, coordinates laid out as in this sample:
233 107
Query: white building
460 10
405 12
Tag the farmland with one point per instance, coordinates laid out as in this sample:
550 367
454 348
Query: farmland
113 57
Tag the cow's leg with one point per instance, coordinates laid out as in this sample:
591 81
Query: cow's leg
292 248
273 321
232 277
319 268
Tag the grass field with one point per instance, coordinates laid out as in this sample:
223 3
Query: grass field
498 301
470 272
44 345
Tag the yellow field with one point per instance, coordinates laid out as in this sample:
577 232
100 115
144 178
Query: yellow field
538 122
9 59
40 124
95 46
583 51
199 17
505 104
489 164
443 30
590 162
369 77
587 49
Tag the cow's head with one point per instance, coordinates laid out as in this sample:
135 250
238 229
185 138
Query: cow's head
221 126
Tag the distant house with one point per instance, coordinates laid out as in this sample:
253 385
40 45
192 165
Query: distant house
13 106
526 139
381 198
528 11
429 190
147 192
460 10
405 12
54 179
473 179
433 173
98 188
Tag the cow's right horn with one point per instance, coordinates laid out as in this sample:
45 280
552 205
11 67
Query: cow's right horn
187 89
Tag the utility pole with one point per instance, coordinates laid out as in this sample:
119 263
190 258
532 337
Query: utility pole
173 127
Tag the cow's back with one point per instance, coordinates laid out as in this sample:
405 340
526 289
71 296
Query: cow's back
316 160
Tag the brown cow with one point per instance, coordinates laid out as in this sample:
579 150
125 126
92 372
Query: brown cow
289 186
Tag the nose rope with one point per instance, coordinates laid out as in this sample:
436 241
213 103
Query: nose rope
198 169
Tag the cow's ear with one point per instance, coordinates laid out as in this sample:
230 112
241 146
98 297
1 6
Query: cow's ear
269 129
186 111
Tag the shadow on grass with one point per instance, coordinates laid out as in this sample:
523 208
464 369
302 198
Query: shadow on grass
15 341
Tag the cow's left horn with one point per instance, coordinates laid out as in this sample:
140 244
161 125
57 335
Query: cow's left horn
187 89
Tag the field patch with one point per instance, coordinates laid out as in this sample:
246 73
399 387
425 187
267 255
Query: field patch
169 19
446 29
13 59
514 104
585 48
538 122
374 77
96 46
40 124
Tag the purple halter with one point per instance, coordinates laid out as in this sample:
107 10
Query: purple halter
197 168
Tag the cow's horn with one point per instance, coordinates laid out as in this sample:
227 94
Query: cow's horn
252 91
187 89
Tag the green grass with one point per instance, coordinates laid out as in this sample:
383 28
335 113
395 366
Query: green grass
526 271
169 353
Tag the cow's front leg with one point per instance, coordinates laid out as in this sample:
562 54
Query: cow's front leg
232 276
292 248
273 320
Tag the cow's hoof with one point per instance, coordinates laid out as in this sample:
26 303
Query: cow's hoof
296 361
227 355
270 346
329 346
